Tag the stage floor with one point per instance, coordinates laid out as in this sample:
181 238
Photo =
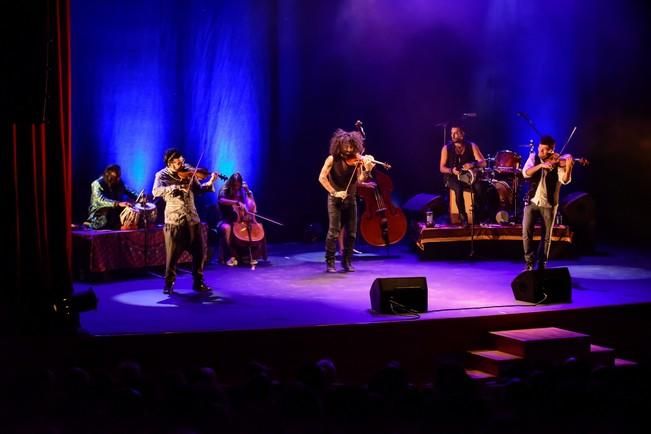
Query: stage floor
292 290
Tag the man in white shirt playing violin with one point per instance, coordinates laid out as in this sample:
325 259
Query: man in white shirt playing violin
546 173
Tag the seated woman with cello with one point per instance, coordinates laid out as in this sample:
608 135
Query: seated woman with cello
238 227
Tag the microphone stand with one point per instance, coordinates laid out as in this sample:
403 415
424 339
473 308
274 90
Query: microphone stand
472 223
551 230
143 201
532 125
526 117
444 125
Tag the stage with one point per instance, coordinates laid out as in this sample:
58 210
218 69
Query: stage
289 310
292 290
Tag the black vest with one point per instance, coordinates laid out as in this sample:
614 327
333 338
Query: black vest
457 161
551 183
340 175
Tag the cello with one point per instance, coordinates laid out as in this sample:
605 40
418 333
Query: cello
382 223
247 232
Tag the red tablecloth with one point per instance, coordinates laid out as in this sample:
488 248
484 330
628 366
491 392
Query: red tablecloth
104 250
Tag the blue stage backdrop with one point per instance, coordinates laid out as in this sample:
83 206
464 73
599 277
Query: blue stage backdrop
149 75
260 86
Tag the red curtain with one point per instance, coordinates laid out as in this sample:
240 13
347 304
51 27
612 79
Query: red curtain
40 174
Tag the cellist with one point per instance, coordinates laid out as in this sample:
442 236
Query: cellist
235 199
341 170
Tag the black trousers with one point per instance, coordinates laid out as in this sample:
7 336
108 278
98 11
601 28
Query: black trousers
479 197
179 238
341 213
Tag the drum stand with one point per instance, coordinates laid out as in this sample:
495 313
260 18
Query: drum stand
145 250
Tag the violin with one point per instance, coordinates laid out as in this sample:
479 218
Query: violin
357 159
559 160
200 173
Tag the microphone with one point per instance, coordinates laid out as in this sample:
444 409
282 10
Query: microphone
470 115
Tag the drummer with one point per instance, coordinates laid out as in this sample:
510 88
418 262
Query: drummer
108 198
459 156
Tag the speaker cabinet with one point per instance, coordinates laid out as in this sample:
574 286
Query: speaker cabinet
551 285
399 294
422 202
579 211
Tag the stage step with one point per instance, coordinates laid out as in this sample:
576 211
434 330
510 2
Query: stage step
623 363
601 356
524 348
494 362
479 376
547 344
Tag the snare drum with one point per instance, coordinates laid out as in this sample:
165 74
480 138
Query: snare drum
507 162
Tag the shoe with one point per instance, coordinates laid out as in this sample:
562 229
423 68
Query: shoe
529 266
542 265
168 289
347 266
463 221
330 266
232 262
356 252
201 287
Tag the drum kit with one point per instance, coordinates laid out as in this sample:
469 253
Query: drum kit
501 178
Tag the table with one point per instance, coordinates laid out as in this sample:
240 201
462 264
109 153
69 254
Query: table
100 251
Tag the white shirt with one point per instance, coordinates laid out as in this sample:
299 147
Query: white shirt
540 198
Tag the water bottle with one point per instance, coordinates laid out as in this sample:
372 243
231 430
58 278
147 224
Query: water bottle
429 218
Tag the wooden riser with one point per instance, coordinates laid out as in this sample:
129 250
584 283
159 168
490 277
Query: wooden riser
601 356
496 363
493 232
547 345
479 376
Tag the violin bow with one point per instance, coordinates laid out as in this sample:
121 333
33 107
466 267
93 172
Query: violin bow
246 211
194 173
567 141
358 125
265 218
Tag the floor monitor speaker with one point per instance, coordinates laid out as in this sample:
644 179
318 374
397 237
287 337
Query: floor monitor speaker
551 285
396 295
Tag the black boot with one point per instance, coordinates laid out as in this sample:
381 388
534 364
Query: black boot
200 286
330 265
347 265
168 289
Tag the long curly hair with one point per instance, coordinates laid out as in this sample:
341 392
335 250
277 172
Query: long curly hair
341 137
